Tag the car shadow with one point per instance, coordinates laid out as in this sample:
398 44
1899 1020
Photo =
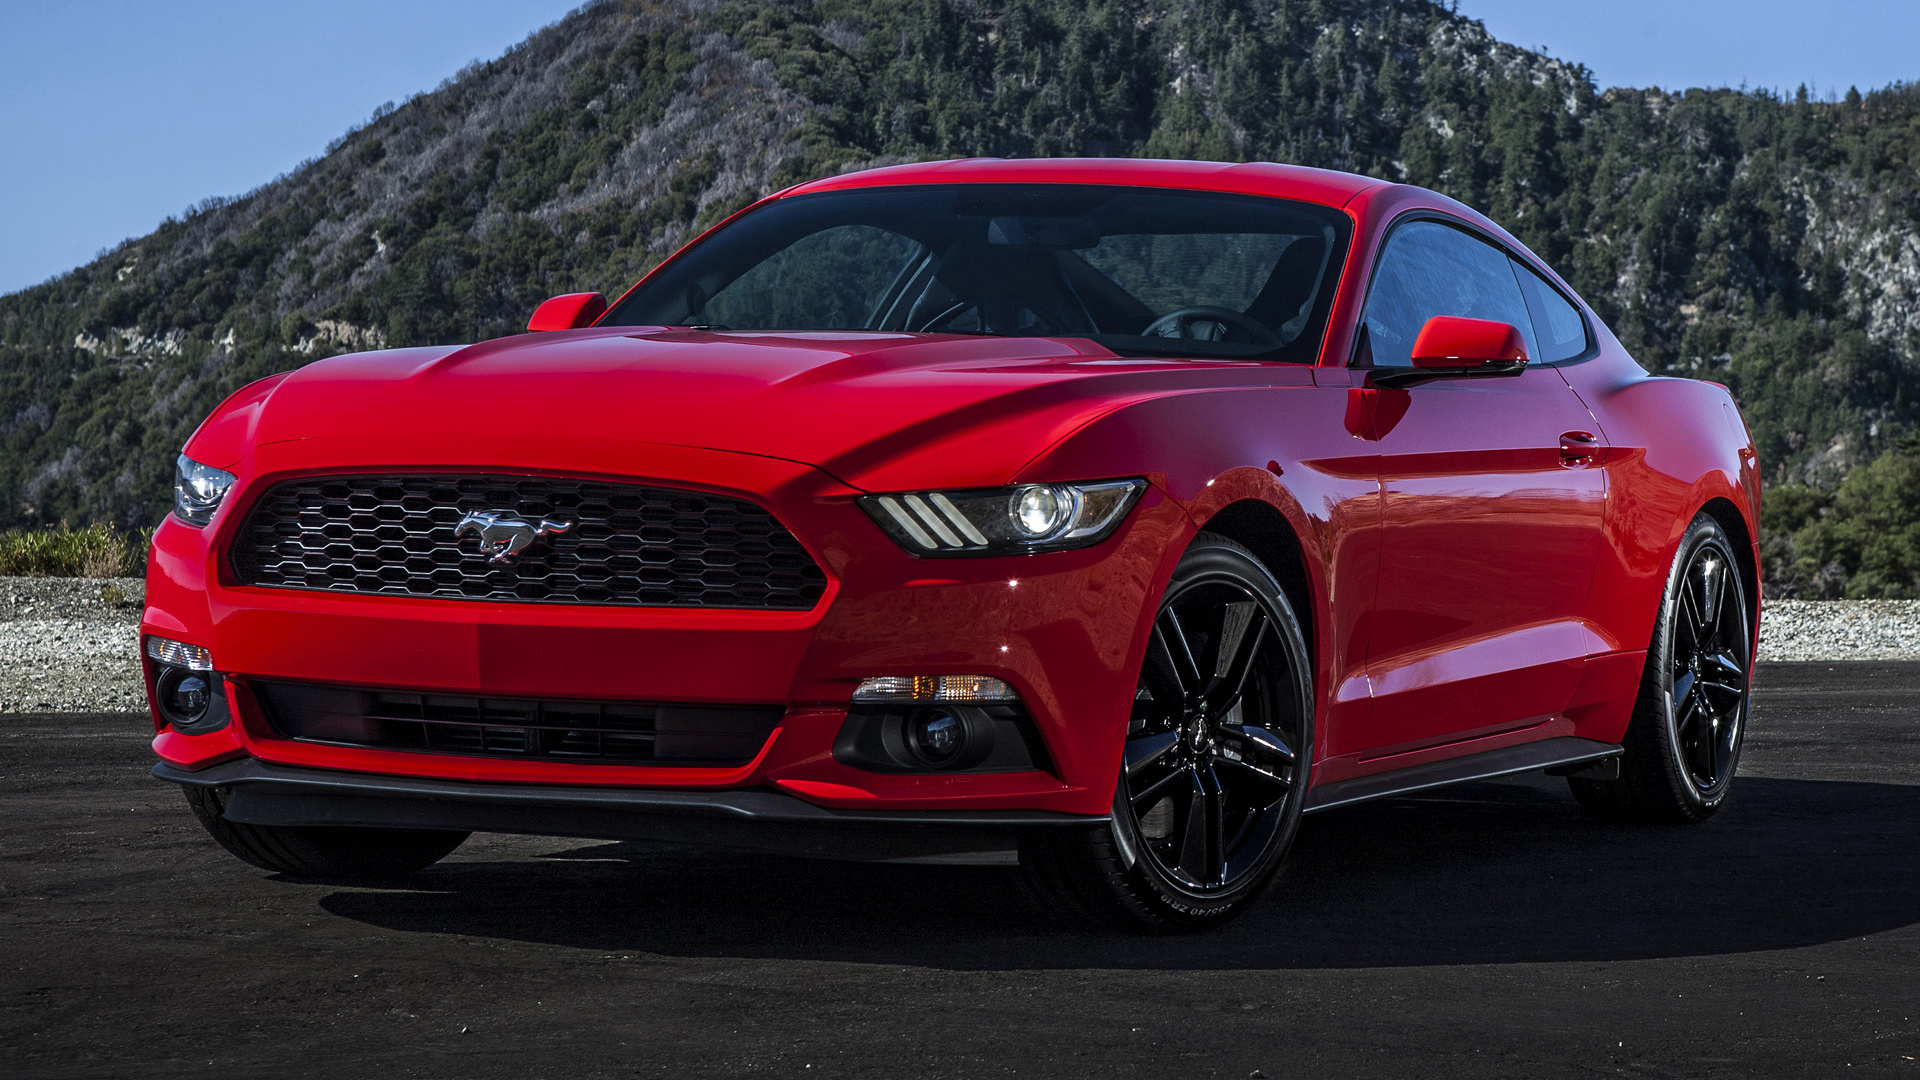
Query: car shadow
1492 873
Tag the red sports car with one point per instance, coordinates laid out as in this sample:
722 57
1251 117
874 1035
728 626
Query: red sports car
1120 512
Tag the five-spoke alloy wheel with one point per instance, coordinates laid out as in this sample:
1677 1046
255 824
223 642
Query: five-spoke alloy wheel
1211 755
1683 742
1707 669
1214 766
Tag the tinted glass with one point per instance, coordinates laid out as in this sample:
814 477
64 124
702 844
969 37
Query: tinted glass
1557 324
1142 271
1432 269
826 281
1167 272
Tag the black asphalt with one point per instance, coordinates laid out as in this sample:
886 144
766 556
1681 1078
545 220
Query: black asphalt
1481 931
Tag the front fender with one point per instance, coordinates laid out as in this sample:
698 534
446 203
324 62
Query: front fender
1284 446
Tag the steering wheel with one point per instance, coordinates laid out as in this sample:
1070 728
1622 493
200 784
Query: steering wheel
1183 322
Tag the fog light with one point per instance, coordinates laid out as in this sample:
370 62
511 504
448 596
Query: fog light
934 688
938 737
179 653
949 737
183 696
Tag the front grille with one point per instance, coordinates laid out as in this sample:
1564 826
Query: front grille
558 730
623 543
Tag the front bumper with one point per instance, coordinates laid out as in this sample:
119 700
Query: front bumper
1063 628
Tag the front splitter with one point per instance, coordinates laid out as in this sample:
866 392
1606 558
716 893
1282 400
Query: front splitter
260 793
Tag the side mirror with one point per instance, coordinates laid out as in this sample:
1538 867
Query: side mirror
1449 346
568 312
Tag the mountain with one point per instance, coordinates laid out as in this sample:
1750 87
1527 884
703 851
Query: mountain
1771 244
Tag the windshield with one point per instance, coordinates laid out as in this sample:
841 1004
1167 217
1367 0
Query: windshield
1141 271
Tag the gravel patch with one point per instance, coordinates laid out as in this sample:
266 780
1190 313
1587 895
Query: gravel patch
72 644
1840 630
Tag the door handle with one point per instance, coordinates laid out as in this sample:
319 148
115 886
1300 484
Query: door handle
1578 448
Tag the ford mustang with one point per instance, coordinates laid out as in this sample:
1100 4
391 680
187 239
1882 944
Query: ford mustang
1117 513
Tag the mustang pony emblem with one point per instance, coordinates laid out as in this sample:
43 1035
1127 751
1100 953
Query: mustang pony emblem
503 536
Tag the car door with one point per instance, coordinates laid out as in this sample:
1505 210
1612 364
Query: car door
1492 509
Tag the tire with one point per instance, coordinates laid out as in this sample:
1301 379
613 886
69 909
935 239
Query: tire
1214 772
1683 742
323 853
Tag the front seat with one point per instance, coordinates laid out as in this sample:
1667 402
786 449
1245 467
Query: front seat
1290 285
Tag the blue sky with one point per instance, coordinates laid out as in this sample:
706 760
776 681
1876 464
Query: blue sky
1676 44
117 113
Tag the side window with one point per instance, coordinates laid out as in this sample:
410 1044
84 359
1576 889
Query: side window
1561 331
1432 269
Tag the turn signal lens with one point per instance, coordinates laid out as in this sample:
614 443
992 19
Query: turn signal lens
1004 521
956 688
179 654
198 490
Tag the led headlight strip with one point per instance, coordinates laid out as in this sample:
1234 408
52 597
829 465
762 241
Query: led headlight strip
1004 521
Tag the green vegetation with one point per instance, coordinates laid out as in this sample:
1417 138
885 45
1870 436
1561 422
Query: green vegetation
94 551
1766 243
1860 541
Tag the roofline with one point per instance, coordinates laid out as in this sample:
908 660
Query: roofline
1324 186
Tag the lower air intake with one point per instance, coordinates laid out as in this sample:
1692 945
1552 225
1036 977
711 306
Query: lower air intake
622 733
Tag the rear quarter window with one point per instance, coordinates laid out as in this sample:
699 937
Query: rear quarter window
1557 326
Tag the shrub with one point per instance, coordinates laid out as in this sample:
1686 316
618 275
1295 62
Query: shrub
95 551
1871 530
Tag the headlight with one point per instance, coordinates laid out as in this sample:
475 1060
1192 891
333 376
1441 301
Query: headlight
1004 521
198 489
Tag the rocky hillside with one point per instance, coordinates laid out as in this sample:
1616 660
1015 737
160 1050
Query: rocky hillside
1770 244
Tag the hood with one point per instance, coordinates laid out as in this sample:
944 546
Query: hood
877 411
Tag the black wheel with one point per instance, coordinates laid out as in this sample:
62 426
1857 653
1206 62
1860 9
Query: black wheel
1215 764
1683 743
323 853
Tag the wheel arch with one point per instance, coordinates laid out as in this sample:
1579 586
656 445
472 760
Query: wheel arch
1734 524
1262 529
